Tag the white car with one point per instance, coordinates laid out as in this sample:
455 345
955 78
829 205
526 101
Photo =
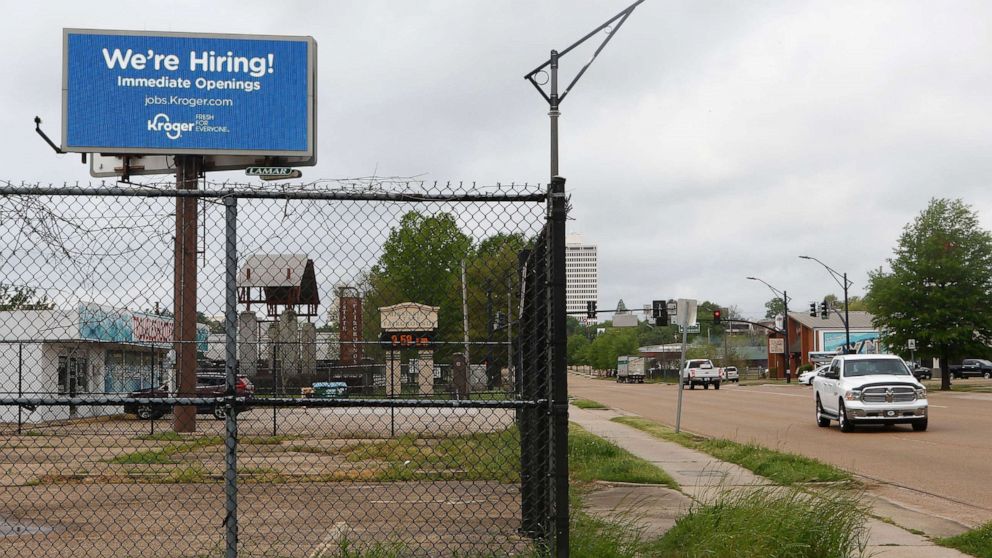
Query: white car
729 374
869 389
806 378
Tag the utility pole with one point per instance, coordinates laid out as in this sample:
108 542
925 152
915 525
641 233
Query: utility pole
784 296
188 170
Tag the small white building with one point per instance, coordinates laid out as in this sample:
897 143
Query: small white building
91 349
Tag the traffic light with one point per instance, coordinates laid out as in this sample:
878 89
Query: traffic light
812 309
658 308
716 317
662 320
825 310
591 309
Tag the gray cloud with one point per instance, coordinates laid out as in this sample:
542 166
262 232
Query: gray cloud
710 141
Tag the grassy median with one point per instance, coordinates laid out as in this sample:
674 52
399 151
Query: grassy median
588 404
782 467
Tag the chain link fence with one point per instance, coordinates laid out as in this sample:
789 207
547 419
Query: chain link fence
322 372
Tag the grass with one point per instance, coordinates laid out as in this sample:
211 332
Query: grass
768 523
591 458
164 455
588 404
782 467
977 542
483 456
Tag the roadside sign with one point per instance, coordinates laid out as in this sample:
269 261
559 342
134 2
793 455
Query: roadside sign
188 93
776 346
691 329
268 171
911 344
687 310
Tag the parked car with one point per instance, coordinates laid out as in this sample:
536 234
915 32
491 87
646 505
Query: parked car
806 378
207 385
869 389
921 372
971 367
730 374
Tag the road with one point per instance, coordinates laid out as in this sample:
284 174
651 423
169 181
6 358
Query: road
951 461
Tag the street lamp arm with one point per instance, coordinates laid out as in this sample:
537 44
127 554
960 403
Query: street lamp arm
622 17
775 291
838 277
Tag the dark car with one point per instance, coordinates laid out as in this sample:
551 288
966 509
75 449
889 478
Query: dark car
922 372
207 385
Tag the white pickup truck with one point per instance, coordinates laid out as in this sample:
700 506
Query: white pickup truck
700 372
869 389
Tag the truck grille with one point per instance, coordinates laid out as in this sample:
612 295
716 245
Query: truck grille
888 394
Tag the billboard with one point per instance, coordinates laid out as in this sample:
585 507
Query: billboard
863 342
185 93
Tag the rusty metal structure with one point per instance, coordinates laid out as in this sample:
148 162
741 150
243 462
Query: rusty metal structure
280 282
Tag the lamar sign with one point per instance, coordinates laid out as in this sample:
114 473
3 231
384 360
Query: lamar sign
137 92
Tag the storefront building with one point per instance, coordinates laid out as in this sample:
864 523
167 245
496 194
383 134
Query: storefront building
91 349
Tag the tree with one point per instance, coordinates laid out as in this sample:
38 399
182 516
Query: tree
854 302
420 262
13 297
774 307
939 288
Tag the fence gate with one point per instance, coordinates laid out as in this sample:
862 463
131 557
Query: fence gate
379 372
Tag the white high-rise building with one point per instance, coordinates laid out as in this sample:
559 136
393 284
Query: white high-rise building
581 274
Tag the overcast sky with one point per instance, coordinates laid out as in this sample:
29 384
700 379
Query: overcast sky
711 140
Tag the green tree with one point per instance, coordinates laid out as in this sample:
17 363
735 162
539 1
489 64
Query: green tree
855 303
578 346
774 307
602 353
939 288
420 262
13 297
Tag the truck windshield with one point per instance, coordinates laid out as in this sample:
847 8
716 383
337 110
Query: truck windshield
873 366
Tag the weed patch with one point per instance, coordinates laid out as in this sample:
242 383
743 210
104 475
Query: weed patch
591 458
977 542
781 467
588 404
768 523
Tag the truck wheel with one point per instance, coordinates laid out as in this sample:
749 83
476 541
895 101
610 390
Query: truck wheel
846 425
219 412
920 425
987 375
821 420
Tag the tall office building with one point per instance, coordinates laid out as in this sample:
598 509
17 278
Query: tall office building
581 274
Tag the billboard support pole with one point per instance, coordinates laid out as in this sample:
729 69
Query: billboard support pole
188 171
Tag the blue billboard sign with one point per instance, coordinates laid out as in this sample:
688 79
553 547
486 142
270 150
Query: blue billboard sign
180 93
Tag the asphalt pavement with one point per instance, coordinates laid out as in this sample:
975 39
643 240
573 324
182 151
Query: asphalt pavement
935 481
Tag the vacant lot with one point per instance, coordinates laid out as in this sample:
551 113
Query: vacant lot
446 483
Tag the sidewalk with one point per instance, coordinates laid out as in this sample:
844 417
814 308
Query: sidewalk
701 476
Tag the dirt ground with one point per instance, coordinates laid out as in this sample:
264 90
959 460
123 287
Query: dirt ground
106 488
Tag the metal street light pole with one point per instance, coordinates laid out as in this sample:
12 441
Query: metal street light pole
787 354
553 96
841 279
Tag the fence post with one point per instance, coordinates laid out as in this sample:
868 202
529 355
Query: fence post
558 367
526 384
230 365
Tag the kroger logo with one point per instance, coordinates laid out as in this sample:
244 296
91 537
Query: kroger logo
172 130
